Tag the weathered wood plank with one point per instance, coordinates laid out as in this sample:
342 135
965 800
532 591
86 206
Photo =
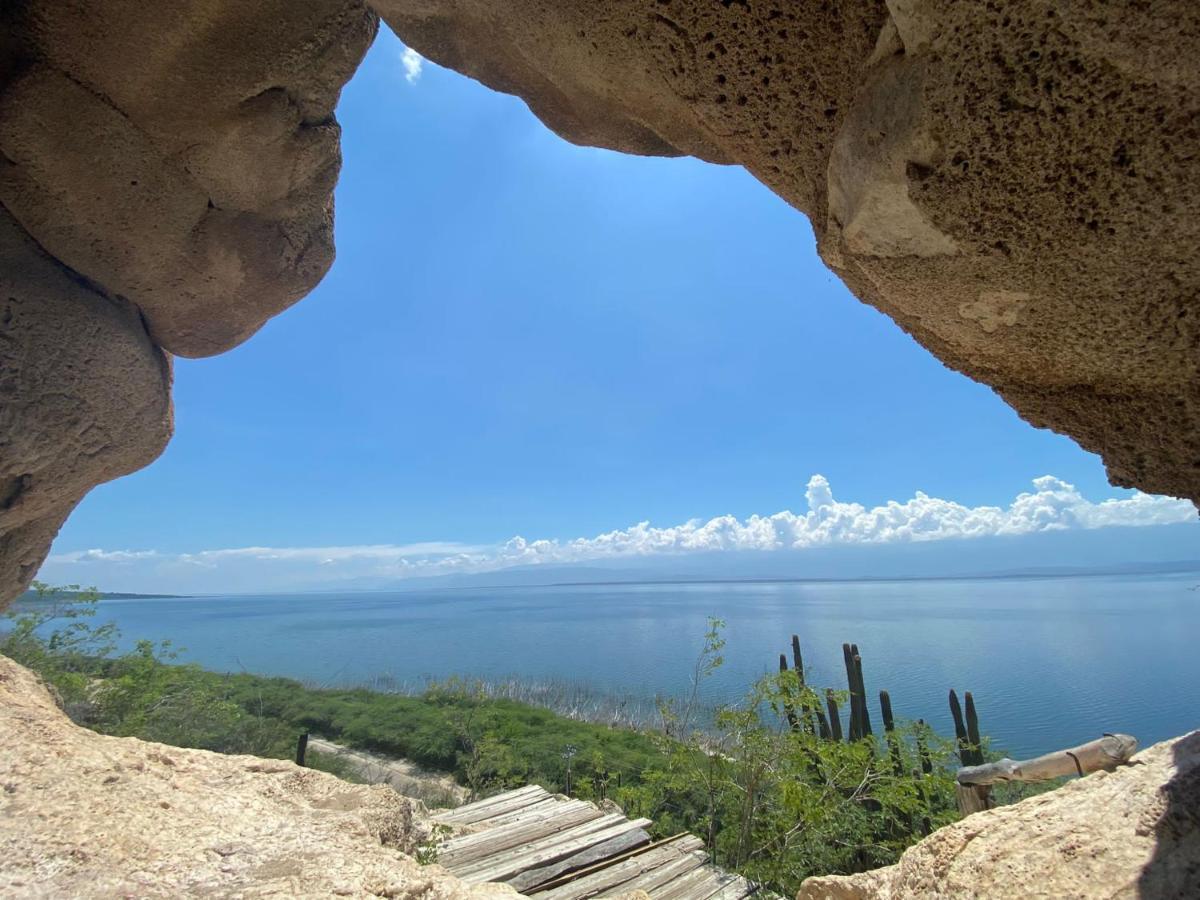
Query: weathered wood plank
552 849
736 888
489 804
497 841
666 873
603 878
544 804
551 840
605 852
497 798
466 815
652 867
528 817
706 888
635 861
677 888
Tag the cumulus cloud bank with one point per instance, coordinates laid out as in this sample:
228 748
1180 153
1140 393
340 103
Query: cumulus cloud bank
1053 505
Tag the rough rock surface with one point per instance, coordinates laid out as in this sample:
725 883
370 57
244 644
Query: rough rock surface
166 177
1007 180
84 397
1012 182
82 815
1130 833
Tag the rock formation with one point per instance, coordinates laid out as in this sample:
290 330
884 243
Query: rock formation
1130 833
1011 182
83 815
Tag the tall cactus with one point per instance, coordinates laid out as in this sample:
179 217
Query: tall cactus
855 731
835 718
788 708
889 726
973 732
863 711
960 731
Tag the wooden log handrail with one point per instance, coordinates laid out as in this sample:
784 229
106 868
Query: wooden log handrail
974 783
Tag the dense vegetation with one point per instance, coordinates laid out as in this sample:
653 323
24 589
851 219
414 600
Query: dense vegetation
775 802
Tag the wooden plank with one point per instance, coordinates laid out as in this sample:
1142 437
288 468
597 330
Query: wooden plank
705 888
663 874
499 840
567 843
605 852
677 888
497 798
604 878
466 815
530 815
489 804
545 804
737 888
605 821
637 861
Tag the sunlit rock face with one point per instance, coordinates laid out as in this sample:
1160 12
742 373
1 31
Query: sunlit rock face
1011 182
1130 833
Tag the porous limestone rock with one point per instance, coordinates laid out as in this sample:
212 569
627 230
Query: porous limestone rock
1010 181
84 398
83 815
166 177
1134 832
180 155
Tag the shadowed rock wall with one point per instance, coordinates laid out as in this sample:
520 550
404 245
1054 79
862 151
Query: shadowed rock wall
166 178
1012 182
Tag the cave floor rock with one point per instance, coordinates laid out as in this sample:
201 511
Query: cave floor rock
1130 833
85 815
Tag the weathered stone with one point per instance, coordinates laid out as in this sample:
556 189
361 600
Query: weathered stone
84 398
948 155
181 156
82 815
1134 832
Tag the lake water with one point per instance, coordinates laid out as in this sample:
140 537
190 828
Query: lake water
1052 662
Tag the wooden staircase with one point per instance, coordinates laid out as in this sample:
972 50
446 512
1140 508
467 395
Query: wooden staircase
552 848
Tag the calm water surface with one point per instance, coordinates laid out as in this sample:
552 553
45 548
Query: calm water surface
1052 662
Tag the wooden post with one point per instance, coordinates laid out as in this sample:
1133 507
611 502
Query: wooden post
301 748
973 783
835 718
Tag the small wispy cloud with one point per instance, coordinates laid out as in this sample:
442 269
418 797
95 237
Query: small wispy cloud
1053 505
412 62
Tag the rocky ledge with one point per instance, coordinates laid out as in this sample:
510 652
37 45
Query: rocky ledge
84 815
1130 833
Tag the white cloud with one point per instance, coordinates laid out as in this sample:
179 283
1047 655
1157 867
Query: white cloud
412 62
1053 505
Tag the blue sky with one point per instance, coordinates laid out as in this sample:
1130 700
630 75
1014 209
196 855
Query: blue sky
523 337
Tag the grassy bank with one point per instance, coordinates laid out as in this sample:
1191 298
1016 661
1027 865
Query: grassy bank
774 802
